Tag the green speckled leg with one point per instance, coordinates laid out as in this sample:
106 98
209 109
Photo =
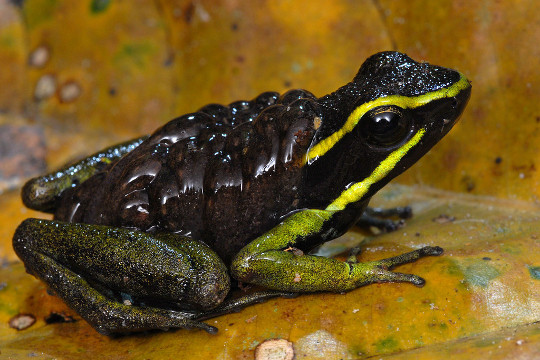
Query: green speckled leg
265 262
88 265
105 315
41 193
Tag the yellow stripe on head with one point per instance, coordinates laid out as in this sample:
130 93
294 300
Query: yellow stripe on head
405 102
358 190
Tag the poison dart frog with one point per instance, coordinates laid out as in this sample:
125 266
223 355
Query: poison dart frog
149 234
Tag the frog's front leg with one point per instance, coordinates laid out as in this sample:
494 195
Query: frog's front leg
266 261
89 265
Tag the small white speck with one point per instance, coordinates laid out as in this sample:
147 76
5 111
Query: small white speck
151 22
202 13
39 57
86 63
45 87
70 91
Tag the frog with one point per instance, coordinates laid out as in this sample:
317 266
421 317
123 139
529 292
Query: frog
153 233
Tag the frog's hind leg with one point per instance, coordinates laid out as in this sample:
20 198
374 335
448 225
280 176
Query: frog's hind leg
380 218
41 193
72 258
107 316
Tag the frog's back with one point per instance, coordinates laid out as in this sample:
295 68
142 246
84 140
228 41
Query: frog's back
223 175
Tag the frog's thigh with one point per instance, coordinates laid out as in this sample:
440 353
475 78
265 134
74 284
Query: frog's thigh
70 258
264 261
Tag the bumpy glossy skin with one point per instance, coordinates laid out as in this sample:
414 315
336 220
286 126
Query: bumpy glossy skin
245 189
215 175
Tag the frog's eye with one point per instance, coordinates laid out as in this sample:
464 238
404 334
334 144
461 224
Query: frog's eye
384 126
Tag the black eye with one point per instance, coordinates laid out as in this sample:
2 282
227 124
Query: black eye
384 126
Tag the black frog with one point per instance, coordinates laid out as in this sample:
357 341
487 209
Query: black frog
148 234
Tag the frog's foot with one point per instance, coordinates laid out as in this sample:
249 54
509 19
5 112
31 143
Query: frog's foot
379 218
237 304
379 271
264 261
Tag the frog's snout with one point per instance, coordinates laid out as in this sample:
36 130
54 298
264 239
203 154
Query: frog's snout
451 113
461 100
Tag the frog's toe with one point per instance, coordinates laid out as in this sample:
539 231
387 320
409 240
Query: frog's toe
237 304
404 212
388 225
409 257
178 320
208 328
389 276
384 225
432 250
379 218
379 271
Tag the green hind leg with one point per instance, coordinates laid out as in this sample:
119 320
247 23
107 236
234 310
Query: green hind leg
122 280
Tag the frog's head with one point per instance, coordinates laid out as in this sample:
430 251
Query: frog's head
381 123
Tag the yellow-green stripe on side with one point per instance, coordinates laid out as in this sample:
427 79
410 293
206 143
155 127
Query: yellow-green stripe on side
358 190
404 102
